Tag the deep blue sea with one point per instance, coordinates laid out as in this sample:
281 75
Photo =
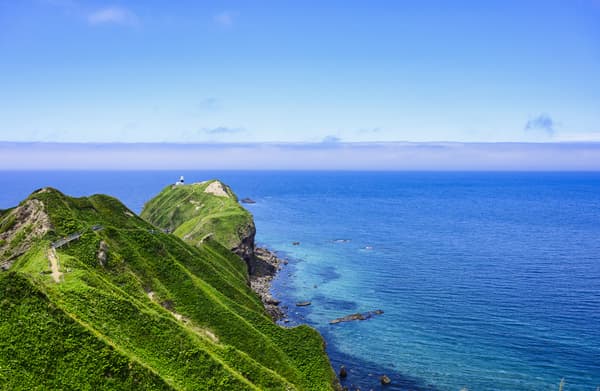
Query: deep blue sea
489 281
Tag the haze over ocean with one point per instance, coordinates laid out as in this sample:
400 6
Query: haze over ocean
488 280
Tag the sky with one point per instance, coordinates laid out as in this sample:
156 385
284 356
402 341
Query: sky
323 72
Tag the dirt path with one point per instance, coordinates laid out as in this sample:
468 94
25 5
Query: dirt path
53 258
202 331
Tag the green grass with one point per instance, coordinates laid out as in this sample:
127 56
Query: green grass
99 327
43 347
193 214
7 222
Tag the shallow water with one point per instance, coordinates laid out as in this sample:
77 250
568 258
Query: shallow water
488 280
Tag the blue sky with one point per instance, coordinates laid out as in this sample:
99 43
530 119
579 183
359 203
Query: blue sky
289 71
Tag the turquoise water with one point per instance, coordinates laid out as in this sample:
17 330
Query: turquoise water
489 281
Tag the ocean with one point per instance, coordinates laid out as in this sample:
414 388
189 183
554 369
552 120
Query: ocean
488 281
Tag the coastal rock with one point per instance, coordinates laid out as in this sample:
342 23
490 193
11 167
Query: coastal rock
295 243
385 380
264 263
247 201
341 240
30 216
356 316
245 248
264 268
303 303
218 189
343 372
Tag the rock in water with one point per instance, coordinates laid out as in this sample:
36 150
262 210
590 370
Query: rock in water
248 201
343 372
303 303
357 316
385 380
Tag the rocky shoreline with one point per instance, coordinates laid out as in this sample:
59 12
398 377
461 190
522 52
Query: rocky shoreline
266 265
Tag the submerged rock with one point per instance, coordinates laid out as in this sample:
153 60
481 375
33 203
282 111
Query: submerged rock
248 201
343 372
341 240
385 380
295 243
303 303
356 316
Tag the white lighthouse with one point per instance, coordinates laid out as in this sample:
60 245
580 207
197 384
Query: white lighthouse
180 181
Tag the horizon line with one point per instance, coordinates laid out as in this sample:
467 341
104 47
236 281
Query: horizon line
281 143
328 155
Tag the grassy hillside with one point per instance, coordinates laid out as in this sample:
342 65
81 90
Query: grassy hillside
126 306
200 210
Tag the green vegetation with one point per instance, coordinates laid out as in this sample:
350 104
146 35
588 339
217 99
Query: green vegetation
7 223
157 313
194 213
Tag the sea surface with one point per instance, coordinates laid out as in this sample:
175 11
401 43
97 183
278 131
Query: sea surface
488 281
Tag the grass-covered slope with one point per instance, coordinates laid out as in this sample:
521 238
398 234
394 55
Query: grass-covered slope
126 306
200 210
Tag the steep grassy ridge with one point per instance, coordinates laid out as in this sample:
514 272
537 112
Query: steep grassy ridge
138 308
200 210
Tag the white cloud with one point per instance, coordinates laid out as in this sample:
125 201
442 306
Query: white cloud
113 15
224 19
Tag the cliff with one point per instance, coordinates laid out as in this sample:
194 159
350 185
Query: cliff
205 210
94 297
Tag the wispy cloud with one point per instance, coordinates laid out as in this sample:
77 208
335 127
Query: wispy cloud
113 15
221 130
224 19
209 104
369 130
543 123
331 140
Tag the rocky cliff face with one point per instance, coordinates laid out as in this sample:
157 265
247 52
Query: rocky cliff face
245 248
19 228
